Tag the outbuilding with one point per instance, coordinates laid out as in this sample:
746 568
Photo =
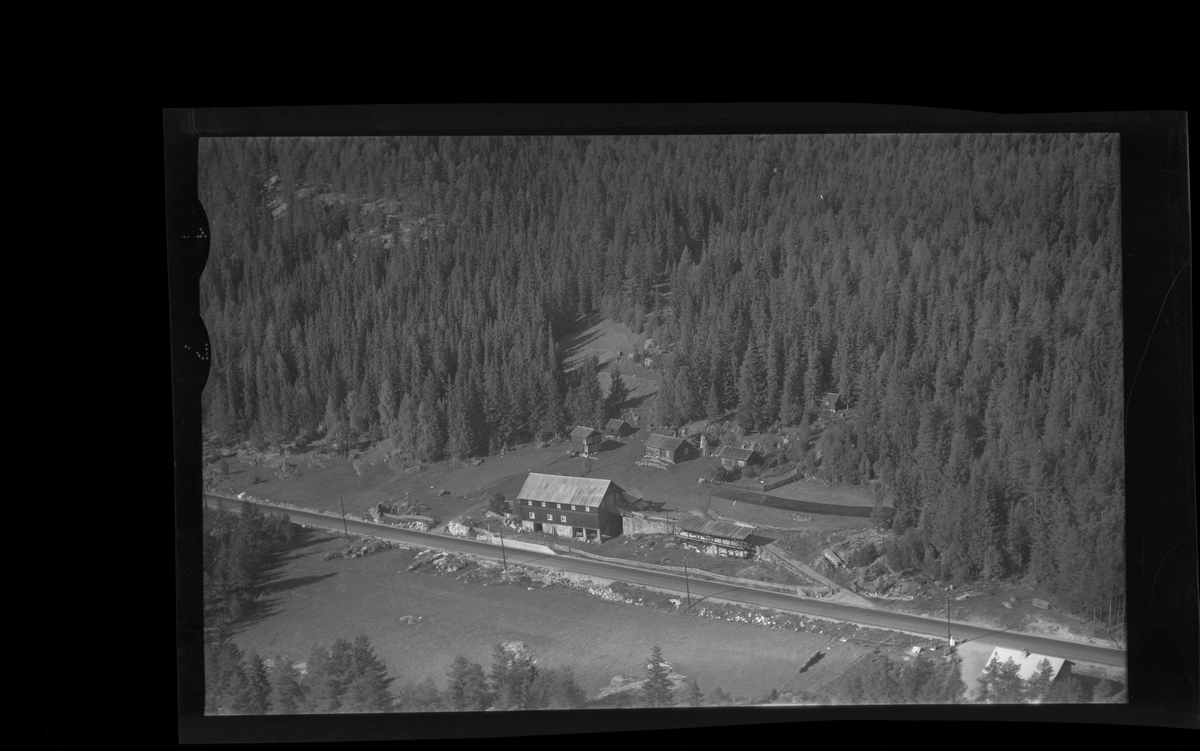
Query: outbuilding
717 537
586 440
666 448
732 456
832 402
616 428
580 507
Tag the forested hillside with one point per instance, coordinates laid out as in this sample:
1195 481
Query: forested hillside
961 292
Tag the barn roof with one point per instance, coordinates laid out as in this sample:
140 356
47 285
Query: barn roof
664 442
735 453
578 491
726 530
584 432
1026 661
615 424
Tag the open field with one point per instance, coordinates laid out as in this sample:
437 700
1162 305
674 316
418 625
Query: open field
814 491
313 601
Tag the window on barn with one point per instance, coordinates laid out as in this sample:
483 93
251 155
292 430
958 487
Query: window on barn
549 517
564 518
532 515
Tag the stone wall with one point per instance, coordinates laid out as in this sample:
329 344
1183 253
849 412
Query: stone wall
634 525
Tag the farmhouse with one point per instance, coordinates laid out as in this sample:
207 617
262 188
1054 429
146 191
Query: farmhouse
718 538
616 428
581 507
586 440
832 402
667 449
732 456
1027 662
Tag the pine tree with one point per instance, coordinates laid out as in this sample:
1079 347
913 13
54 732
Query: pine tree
1038 685
287 695
466 686
751 391
656 691
1001 683
255 696
695 697
367 690
618 393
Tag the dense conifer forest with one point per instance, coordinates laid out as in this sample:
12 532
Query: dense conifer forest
962 293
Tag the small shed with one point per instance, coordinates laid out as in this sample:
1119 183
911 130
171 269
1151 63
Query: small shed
731 456
666 448
832 402
718 538
586 440
616 428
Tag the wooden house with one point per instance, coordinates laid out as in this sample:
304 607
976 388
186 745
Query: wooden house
616 428
586 440
716 537
732 457
832 402
667 449
580 507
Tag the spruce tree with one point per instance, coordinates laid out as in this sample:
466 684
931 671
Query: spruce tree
695 697
618 393
287 695
656 691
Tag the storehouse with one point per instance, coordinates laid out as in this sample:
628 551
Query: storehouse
581 507
832 402
586 440
731 456
616 428
667 449
718 538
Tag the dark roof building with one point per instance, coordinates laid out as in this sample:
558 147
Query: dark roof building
833 402
583 507
666 448
731 456
616 428
717 537
586 440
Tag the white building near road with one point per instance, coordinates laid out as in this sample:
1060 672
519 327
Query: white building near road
1026 661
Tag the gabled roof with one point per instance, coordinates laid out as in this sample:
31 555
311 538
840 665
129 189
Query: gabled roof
1028 665
577 491
615 424
726 530
832 397
582 432
732 452
665 442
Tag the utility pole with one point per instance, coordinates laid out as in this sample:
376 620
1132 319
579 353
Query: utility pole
687 585
343 505
503 557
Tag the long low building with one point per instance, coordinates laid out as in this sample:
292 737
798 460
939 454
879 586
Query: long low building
581 507
718 538
1027 662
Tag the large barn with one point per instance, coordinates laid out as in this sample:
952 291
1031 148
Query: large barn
718 538
667 449
581 507
586 440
